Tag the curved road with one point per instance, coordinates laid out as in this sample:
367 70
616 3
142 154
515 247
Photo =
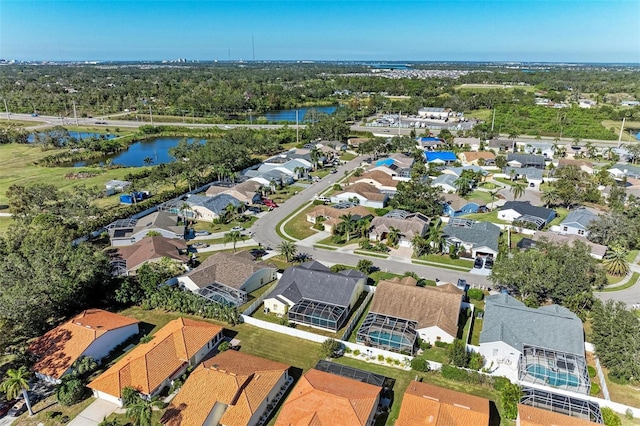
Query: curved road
265 232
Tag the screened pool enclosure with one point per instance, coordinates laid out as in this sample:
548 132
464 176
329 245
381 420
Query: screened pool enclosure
318 314
389 333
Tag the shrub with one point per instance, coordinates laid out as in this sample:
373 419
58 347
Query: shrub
610 417
356 352
476 361
592 371
420 364
511 395
224 346
628 414
458 354
425 345
70 391
595 389
330 348
390 360
440 344
475 294
381 358
499 383
617 379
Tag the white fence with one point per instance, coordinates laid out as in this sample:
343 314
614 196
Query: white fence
603 382
356 316
289 331
252 308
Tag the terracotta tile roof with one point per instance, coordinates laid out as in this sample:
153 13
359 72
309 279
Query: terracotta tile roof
321 398
60 347
238 380
230 269
151 248
531 416
409 227
333 213
424 404
428 306
376 175
149 364
365 190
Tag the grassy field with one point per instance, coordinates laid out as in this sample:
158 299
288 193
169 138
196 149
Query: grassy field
17 168
614 280
446 260
21 123
298 227
50 405
626 137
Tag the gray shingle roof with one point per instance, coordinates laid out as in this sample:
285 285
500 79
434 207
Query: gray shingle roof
445 180
314 281
480 234
525 208
526 159
552 327
529 172
216 204
579 218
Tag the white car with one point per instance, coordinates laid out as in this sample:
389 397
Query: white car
237 228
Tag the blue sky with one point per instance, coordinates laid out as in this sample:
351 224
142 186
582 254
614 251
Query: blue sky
506 30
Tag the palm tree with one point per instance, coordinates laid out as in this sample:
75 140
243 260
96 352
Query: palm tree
84 365
141 411
234 237
517 189
493 194
314 155
463 185
17 381
420 244
393 236
230 212
550 197
287 249
615 261
348 225
436 237
183 210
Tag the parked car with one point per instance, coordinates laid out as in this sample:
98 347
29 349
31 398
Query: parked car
488 264
334 171
270 203
237 229
478 263
254 209
202 233
200 245
18 408
5 407
324 199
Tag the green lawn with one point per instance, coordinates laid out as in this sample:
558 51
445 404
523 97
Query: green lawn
488 185
561 213
492 216
347 156
613 280
631 256
506 181
282 195
480 196
435 354
17 168
298 227
50 405
444 259
381 275
246 221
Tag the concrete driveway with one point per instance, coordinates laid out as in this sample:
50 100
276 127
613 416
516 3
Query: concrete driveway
94 413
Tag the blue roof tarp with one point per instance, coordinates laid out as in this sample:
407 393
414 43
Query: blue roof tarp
440 155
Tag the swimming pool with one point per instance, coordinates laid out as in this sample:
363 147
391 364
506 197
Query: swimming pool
553 378
388 339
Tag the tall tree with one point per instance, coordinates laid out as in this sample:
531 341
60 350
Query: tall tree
16 382
615 261
287 249
517 190
140 411
233 237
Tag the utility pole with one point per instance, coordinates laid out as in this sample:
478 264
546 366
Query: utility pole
493 121
6 108
399 122
75 113
297 129
619 136
150 115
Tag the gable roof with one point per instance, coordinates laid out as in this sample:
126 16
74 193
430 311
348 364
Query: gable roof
529 172
579 218
60 347
425 404
552 237
240 381
526 209
321 398
458 170
365 190
333 213
478 234
563 162
150 364
532 416
216 204
377 176
457 202
476 155
314 281
445 179
230 269
150 248
526 159
156 220
444 156
551 327
427 306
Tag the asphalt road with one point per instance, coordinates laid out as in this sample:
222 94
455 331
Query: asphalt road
265 232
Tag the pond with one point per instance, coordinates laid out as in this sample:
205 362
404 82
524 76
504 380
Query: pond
290 114
157 149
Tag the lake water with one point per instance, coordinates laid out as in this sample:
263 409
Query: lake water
290 114
156 148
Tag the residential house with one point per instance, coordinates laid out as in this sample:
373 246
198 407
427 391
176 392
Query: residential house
597 251
543 345
272 178
533 176
577 222
428 143
457 171
290 167
311 294
379 179
150 367
540 148
473 157
584 165
533 416
128 259
586 103
401 312
524 212
230 389
440 157
520 161
398 166
124 232
447 182
92 333
454 205
471 239
228 278
620 171
363 194
247 192
331 216
321 398
408 225
501 145
472 144
201 207
424 404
